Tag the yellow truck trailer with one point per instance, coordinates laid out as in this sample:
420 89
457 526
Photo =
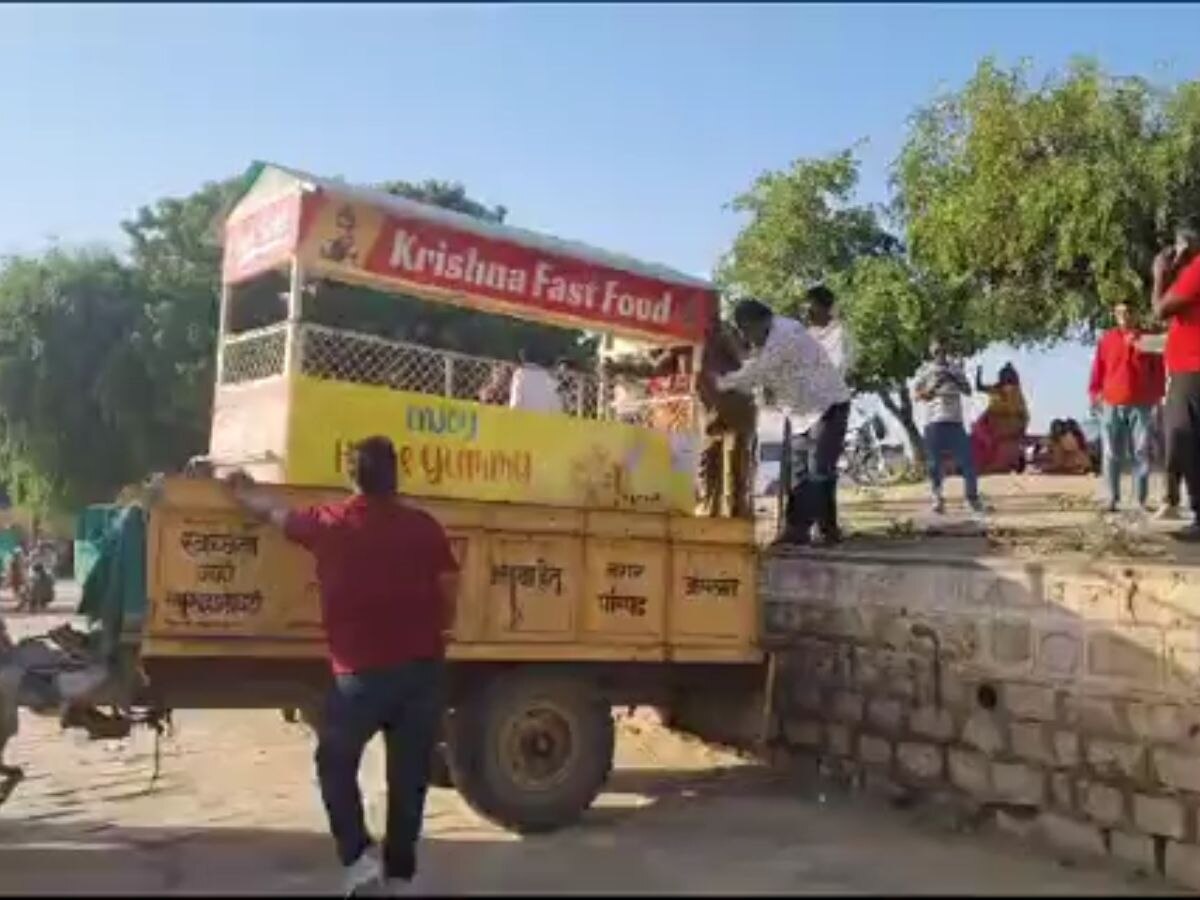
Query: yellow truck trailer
563 614
588 582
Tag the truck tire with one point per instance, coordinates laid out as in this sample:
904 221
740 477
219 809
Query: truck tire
531 751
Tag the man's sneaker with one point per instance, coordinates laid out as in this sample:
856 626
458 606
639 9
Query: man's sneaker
1111 507
364 876
938 506
1167 513
398 887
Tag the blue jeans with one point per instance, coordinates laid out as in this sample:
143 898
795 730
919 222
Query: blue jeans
1126 431
950 437
404 702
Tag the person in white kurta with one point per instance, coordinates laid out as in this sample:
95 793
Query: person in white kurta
534 388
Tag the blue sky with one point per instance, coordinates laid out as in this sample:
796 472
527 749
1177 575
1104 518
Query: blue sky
628 127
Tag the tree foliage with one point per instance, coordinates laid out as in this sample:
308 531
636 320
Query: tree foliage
76 402
802 228
175 255
446 194
1049 200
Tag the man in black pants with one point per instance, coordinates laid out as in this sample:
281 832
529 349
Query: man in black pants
388 587
1177 299
790 363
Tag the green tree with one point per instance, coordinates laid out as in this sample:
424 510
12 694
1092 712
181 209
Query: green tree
76 401
1048 200
804 227
175 254
446 194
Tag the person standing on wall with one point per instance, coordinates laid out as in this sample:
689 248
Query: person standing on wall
1176 298
726 462
787 361
829 329
1126 384
941 385
389 584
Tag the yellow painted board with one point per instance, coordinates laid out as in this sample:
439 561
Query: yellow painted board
472 451
534 578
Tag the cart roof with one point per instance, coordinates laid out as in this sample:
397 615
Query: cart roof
401 244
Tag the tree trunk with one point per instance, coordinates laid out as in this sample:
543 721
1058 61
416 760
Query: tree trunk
902 410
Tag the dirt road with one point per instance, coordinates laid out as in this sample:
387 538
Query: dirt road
236 811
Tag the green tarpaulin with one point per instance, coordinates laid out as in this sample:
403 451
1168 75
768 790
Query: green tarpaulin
114 588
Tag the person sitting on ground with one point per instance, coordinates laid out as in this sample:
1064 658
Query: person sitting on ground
941 385
1065 454
998 435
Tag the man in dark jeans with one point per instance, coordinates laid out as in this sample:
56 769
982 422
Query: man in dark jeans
806 384
388 586
1177 299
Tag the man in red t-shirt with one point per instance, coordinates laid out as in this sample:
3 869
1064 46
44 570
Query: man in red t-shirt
1177 300
1126 384
388 587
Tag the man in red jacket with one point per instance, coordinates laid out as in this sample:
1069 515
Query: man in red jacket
1126 384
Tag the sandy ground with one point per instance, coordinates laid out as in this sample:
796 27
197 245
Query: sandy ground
236 811
236 808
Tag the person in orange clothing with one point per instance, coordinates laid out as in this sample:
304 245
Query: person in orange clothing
1126 385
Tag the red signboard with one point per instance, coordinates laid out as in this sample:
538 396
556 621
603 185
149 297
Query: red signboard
409 250
261 239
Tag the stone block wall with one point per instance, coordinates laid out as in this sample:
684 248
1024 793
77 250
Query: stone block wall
1062 696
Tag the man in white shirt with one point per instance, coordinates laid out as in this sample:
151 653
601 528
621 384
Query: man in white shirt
534 388
809 389
829 330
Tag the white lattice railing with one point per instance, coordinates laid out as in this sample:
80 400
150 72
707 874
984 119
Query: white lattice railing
253 355
340 355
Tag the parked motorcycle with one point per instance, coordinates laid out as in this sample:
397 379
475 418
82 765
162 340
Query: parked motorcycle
866 460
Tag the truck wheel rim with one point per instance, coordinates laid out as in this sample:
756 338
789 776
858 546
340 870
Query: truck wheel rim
538 748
